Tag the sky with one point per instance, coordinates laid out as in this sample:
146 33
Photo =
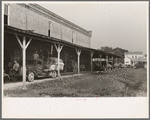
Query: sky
113 24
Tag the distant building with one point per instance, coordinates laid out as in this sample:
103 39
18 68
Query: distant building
118 51
131 58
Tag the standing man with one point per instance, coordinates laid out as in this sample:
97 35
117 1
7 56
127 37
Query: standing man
35 55
41 54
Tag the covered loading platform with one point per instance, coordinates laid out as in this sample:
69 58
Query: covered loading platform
18 42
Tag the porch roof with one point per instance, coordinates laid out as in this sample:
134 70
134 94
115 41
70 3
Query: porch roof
37 36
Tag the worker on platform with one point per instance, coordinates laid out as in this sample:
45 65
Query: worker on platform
41 54
35 55
16 66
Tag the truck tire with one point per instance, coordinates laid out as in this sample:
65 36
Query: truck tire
31 77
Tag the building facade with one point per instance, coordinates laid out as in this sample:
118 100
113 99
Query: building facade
40 20
30 29
36 19
132 57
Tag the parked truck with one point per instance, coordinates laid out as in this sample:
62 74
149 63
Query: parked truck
39 68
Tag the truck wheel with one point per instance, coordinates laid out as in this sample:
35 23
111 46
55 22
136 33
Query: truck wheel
31 77
54 74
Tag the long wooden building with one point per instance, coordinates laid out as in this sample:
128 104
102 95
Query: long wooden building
30 27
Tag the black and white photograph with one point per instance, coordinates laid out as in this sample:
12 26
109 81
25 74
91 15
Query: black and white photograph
85 52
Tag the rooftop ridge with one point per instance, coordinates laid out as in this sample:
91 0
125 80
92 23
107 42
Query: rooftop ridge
134 52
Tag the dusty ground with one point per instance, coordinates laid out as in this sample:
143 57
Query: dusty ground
125 82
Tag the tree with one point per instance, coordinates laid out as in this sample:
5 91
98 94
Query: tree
119 51
106 49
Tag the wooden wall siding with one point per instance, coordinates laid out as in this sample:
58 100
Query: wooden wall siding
27 18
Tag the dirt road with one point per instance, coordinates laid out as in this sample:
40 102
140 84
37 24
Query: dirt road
124 82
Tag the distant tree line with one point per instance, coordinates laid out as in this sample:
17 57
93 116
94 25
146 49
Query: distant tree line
117 51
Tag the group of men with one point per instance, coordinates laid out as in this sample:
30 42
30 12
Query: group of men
16 65
36 55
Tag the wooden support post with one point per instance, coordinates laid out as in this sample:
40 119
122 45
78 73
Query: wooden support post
51 50
65 62
112 63
91 53
58 48
24 62
59 60
78 53
28 43
100 56
24 47
116 60
65 52
19 41
106 62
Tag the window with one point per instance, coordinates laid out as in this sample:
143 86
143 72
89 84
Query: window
6 19
127 62
49 33
5 14
5 9
72 36
31 62
34 62
132 56
135 56
49 30
39 63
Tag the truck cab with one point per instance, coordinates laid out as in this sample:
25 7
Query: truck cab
40 68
